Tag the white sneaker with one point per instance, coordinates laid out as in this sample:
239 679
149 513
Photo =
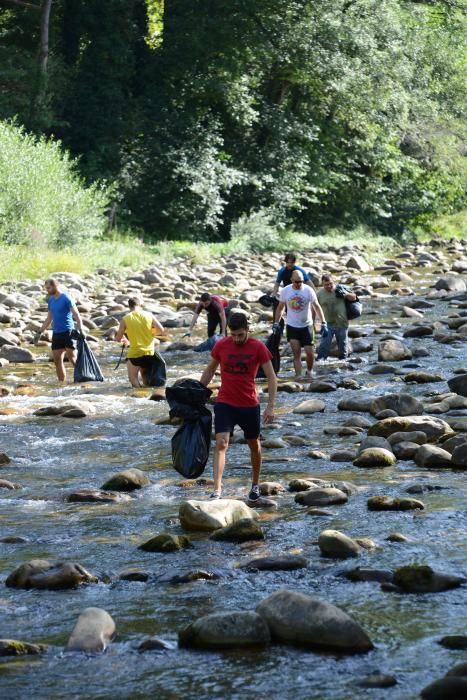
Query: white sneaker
309 374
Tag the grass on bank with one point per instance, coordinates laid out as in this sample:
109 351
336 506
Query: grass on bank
130 253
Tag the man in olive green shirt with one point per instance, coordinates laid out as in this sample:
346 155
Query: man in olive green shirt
335 311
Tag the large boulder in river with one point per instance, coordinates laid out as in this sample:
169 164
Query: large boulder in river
310 406
321 497
43 574
434 428
93 631
459 456
432 456
417 578
214 514
451 284
312 622
375 457
458 384
357 403
401 404
336 545
243 530
393 351
12 353
447 688
358 262
226 631
128 480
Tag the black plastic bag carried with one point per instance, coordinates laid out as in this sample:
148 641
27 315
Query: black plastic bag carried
273 345
190 446
86 368
353 309
156 373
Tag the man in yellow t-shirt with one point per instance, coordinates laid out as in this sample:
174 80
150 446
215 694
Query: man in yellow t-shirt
137 330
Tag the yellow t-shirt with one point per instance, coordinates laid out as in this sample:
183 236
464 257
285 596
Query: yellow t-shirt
138 328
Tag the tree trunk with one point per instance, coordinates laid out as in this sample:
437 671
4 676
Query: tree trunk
44 36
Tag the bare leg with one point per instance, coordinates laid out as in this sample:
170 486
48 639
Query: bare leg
222 443
297 356
59 366
71 355
255 454
133 374
310 357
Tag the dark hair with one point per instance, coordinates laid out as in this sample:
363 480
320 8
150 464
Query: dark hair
290 257
134 301
238 321
205 296
327 278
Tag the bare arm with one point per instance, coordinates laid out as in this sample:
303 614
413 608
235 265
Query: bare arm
316 306
157 327
77 316
270 375
193 322
46 324
279 311
209 372
120 335
223 322
275 289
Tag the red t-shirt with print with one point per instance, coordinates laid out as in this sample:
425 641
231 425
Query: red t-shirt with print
239 365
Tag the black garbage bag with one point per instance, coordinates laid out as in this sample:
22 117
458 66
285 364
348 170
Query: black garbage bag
207 344
186 396
190 446
273 345
353 309
86 368
156 373
267 300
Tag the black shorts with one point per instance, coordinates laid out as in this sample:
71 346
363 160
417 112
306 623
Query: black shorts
145 361
60 341
226 417
305 335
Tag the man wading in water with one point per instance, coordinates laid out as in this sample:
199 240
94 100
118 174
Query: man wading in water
62 314
239 357
215 307
300 301
332 298
137 329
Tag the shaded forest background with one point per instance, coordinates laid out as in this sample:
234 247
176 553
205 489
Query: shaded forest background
188 117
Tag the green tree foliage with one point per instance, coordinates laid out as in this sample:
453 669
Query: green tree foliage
308 113
42 199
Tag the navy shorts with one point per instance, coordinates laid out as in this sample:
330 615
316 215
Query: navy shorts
306 335
226 417
61 341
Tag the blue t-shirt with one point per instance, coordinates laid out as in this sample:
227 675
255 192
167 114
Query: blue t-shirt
285 275
60 308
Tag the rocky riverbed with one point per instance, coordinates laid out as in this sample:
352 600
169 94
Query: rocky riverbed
348 580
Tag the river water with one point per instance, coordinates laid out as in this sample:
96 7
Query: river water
51 456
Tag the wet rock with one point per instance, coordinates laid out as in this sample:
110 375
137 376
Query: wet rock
72 409
11 539
155 644
405 450
300 485
271 488
382 369
274 443
166 542
359 403
213 515
374 441
310 406
262 502
4 459
317 454
454 641
289 387
321 497
458 384
458 670
197 575
378 680
451 284
240 531
397 537
336 545
319 512
459 456
96 496
343 456
93 631
393 351
43 574
362 345
361 574
447 688
358 262
5 484
296 440
226 631
418 331
408 312
128 480
365 542
422 579
134 575
340 430
312 622
375 457
285 562
389 503
321 386
13 647
414 436
386 413
434 428
13 353
423 488
422 377
453 442
357 422
432 456
402 404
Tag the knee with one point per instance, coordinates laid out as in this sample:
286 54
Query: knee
221 444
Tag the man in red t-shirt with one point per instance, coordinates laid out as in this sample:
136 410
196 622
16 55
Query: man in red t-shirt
215 306
239 357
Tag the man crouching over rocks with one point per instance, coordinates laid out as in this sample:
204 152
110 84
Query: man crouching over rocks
239 357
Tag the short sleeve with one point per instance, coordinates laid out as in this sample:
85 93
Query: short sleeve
313 297
283 295
70 301
215 352
217 306
263 354
198 309
306 276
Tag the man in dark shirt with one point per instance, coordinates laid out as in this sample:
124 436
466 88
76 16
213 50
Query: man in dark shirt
215 307
284 275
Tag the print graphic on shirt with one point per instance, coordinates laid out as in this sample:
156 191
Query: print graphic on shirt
297 302
237 364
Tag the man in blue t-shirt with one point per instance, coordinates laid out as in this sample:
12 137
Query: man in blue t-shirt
62 315
284 275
